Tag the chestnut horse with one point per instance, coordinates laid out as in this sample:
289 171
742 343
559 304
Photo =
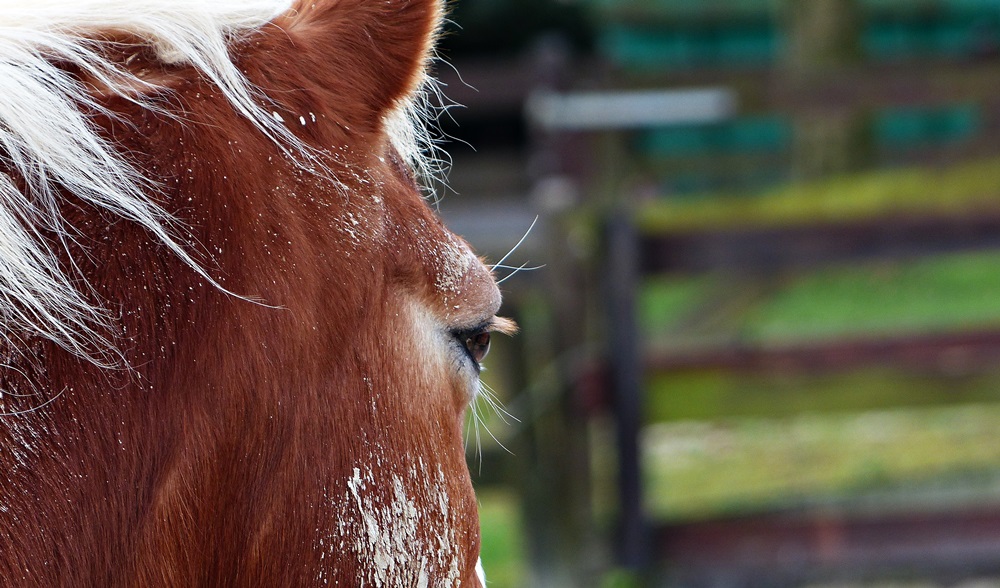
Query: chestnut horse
238 346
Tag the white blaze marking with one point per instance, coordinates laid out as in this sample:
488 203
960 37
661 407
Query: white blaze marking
383 530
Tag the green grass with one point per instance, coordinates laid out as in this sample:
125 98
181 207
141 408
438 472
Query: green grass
730 442
499 519
709 395
933 294
967 188
889 459
664 302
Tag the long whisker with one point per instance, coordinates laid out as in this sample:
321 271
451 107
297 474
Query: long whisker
472 425
498 442
479 442
514 248
522 268
468 427
489 396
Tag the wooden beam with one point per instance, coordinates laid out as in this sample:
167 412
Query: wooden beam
625 371
797 548
941 351
768 249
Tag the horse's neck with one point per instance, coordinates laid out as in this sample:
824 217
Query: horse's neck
145 463
152 482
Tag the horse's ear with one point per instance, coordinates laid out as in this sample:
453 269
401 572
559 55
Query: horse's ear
374 51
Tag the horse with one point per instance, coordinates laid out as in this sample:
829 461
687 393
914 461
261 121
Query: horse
238 343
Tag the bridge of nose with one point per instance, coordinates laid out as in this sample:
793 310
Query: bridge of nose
466 290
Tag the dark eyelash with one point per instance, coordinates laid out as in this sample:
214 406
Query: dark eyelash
483 326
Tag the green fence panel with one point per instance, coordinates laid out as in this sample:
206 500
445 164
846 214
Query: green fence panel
685 10
907 128
650 47
750 135
749 45
956 124
732 33
686 141
954 39
759 134
901 128
646 49
888 41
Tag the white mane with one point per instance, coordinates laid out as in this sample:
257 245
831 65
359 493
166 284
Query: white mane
46 139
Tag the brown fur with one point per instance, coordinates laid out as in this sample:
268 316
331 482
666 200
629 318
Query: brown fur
224 454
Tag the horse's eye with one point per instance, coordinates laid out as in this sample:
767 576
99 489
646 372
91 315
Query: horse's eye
476 343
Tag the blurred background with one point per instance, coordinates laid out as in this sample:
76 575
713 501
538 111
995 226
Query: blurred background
764 348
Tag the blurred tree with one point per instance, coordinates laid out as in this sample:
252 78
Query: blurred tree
822 33
824 39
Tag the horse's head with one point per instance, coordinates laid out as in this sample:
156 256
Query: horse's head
292 412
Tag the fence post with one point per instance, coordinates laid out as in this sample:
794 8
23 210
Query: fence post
553 457
621 271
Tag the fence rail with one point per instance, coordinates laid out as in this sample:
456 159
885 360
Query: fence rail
791 549
764 249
